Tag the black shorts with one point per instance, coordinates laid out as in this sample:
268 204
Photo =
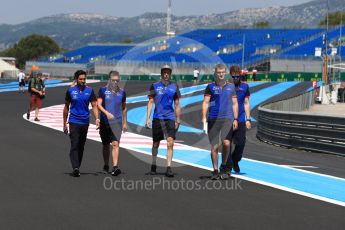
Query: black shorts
22 83
110 132
239 135
162 129
219 130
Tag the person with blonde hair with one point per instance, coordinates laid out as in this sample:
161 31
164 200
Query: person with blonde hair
220 111
111 102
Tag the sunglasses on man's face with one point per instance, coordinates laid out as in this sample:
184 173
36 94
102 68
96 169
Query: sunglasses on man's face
236 76
114 80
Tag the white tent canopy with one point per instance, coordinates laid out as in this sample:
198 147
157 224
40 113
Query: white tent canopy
8 70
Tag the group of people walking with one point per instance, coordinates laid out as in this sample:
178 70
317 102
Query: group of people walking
225 109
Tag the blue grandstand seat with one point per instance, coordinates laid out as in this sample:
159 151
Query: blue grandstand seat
207 45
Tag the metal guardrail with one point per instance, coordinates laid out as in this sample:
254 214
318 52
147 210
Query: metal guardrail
294 104
300 130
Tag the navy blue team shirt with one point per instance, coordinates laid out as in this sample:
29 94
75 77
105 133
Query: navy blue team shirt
164 97
112 102
242 91
220 106
79 104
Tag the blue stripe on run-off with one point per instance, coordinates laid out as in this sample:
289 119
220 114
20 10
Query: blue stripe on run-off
13 86
265 94
137 116
183 91
300 180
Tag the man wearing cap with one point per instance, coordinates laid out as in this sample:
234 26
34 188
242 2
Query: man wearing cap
166 118
36 89
244 122
221 109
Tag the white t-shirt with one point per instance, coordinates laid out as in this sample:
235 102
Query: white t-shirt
21 76
196 73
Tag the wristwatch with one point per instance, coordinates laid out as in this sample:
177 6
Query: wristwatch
249 120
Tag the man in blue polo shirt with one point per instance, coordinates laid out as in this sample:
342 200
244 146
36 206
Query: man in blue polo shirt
112 104
220 103
77 102
166 119
239 135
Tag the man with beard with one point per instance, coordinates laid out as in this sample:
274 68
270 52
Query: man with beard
221 109
112 104
77 102
36 89
166 119
239 135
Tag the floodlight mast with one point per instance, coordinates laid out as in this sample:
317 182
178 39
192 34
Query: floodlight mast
169 32
325 65
243 47
340 43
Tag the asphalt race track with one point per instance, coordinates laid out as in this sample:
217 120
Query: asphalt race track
38 192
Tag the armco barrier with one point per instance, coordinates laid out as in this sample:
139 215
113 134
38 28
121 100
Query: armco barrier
301 130
278 77
204 78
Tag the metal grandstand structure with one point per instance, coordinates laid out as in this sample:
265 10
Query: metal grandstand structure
268 50
340 66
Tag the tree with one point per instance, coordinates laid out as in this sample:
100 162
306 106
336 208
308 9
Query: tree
262 24
127 40
32 47
334 19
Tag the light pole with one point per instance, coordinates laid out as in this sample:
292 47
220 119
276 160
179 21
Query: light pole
243 42
325 64
169 32
341 34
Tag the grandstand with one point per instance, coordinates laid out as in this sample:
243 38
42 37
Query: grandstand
204 47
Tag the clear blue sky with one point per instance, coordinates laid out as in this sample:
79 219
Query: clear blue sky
18 11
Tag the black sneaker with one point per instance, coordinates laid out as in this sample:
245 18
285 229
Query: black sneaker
28 116
116 171
36 119
153 170
169 172
236 167
106 169
76 172
214 175
224 173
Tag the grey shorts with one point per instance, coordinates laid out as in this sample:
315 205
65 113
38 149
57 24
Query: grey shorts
219 130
